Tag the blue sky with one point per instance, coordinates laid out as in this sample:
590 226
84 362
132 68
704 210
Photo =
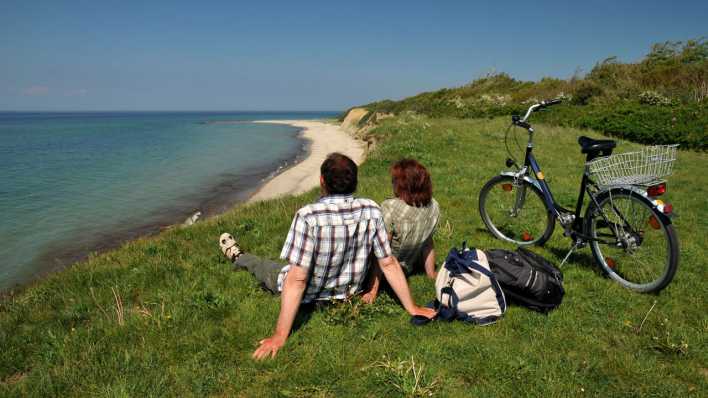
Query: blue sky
306 55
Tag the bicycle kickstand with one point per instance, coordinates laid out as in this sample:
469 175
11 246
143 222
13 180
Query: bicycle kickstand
572 249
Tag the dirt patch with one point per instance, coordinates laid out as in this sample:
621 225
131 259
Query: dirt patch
353 118
14 379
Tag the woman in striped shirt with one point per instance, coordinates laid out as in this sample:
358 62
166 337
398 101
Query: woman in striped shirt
410 219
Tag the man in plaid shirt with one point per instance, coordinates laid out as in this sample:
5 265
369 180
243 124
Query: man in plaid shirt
327 251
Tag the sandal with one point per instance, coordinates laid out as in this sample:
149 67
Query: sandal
228 246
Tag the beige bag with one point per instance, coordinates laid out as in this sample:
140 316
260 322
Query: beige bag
467 290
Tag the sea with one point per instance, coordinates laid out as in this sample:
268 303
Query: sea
75 183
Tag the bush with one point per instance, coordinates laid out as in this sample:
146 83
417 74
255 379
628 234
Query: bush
651 97
646 124
586 90
658 100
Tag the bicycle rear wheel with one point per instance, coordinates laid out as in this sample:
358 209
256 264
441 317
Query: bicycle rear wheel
515 211
632 242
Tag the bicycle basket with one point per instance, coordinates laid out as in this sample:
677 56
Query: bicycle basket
634 168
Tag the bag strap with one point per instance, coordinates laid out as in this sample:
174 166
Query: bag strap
466 258
470 261
448 314
457 261
475 265
479 321
445 313
420 320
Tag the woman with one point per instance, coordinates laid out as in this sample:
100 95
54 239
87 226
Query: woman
411 218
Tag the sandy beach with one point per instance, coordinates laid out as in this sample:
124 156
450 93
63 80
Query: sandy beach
324 138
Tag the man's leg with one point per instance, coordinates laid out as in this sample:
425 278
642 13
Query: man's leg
265 271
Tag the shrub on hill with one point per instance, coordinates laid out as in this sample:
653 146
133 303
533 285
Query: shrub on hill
660 100
684 125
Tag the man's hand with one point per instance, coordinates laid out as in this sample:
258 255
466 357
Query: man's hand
293 290
269 347
424 311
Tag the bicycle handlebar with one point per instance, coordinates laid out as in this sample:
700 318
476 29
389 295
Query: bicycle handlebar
540 105
551 102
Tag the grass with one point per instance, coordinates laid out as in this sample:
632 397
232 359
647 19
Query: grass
167 316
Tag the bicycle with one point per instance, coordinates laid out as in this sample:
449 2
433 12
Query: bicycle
628 228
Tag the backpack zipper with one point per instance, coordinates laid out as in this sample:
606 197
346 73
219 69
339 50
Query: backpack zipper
532 279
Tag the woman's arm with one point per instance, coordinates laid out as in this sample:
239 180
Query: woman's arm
372 291
429 255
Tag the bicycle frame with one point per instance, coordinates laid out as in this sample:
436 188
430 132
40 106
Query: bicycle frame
572 227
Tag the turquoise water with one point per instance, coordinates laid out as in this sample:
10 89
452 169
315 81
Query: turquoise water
71 183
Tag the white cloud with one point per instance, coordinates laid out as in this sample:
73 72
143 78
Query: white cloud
80 92
35 90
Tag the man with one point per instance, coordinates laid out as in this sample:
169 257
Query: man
327 250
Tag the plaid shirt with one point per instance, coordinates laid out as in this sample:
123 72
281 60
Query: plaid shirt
332 239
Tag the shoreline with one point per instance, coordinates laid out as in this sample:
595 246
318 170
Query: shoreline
220 197
323 138
246 187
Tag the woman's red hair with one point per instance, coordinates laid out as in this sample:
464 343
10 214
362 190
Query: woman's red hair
411 182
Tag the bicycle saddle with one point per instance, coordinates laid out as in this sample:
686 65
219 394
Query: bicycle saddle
591 146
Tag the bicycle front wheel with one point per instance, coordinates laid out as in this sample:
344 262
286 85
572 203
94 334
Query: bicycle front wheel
632 242
514 210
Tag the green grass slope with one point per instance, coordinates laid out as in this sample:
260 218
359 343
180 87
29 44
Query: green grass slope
167 316
662 99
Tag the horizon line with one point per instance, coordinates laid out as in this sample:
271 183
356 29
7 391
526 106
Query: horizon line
165 110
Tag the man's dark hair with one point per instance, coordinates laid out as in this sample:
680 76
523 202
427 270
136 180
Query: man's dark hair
340 174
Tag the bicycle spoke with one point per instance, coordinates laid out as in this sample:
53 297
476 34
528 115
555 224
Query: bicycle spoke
640 256
514 211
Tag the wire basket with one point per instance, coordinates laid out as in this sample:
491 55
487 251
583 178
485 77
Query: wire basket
634 168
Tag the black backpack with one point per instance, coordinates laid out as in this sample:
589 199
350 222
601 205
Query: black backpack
527 279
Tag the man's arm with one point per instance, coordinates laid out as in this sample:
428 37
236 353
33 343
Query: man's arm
293 290
394 275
